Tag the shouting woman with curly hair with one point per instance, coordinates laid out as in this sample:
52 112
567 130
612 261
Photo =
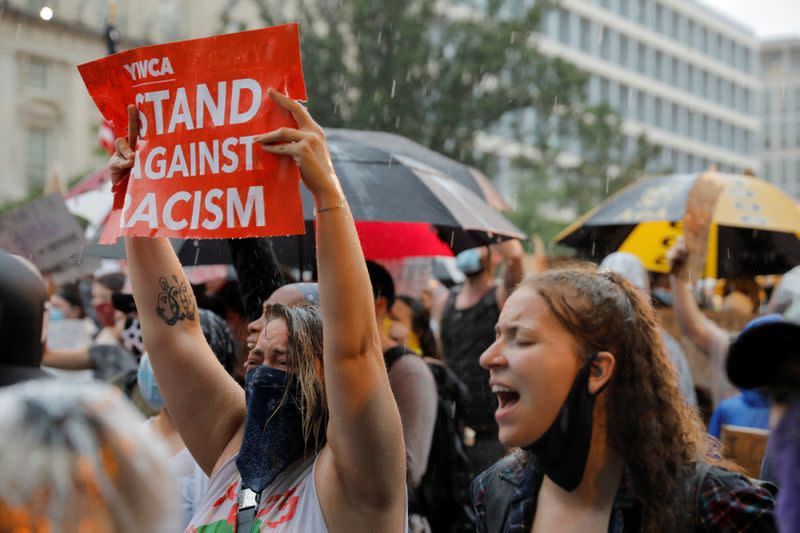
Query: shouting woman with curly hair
607 443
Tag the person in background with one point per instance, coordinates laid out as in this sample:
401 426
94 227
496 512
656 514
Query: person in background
412 314
749 408
116 350
23 332
76 457
66 303
704 333
587 392
467 329
190 478
630 267
766 356
103 289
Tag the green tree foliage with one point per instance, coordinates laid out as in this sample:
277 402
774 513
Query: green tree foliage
441 75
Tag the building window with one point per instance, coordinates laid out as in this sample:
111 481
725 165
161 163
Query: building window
683 121
641 58
563 26
36 73
669 117
585 35
605 44
684 76
36 155
624 104
676 24
642 12
659 62
640 106
623 51
673 72
604 90
659 22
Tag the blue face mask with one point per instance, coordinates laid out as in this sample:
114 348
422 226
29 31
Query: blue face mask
469 262
56 314
148 386
273 428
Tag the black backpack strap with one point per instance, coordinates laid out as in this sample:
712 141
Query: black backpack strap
391 355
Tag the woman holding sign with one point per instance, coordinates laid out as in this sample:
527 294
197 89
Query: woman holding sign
316 443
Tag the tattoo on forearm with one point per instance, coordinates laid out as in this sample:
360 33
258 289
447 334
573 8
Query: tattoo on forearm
175 301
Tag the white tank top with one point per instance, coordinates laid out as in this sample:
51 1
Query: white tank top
288 505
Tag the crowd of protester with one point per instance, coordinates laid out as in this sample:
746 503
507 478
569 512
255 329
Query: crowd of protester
552 402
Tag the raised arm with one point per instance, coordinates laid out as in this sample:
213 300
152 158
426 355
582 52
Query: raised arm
698 328
512 254
365 468
204 401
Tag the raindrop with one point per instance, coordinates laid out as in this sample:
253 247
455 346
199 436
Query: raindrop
594 246
513 37
452 238
397 122
19 31
608 179
394 86
380 36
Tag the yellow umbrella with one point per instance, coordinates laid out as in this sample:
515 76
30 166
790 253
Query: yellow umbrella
753 227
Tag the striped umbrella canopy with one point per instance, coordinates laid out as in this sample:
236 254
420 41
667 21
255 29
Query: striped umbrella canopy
754 225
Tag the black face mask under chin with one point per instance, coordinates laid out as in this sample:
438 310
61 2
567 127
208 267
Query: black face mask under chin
563 449
273 432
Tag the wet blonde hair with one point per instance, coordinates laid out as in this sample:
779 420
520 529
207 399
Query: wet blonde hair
78 457
305 366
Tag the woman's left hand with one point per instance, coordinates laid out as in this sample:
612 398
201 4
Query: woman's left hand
306 145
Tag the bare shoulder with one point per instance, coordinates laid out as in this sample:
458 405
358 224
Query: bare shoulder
345 514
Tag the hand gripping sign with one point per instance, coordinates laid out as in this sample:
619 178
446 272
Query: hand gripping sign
197 172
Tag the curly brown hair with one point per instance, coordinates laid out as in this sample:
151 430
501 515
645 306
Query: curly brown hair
658 434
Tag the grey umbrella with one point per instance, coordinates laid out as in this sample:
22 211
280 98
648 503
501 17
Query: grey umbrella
471 178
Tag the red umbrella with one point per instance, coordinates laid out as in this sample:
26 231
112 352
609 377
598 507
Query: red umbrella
397 240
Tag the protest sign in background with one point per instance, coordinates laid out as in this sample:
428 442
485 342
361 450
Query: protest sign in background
197 171
46 233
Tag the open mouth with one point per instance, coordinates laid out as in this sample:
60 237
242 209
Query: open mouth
506 397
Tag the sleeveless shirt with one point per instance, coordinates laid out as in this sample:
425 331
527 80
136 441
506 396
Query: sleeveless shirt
288 505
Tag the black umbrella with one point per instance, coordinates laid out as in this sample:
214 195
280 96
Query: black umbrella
397 145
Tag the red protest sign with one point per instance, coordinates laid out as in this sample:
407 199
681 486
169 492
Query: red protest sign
197 172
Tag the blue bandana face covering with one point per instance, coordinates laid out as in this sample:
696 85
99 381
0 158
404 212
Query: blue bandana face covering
273 430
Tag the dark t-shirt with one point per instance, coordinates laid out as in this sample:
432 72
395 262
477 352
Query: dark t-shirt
466 334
